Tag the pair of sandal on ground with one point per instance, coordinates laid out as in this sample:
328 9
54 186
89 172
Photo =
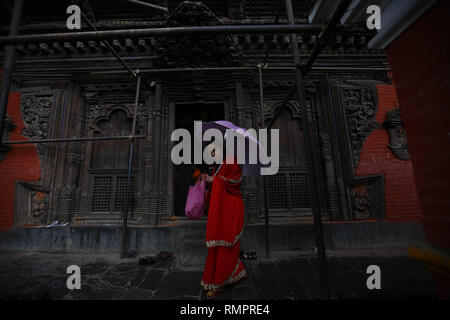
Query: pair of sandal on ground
247 255
163 255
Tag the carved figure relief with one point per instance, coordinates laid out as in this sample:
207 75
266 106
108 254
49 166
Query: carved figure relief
39 206
360 202
397 134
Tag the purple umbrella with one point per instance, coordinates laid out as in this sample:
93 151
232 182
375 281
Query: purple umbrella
248 169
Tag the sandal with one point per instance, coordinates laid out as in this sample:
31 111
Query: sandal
253 255
164 255
244 255
147 261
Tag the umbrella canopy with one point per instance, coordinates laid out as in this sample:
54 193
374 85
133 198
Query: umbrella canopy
251 143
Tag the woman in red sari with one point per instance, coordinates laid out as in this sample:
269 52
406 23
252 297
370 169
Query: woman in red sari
224 228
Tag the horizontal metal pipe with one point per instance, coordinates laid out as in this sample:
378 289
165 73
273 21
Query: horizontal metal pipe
157 32
144 71
146 4
74 139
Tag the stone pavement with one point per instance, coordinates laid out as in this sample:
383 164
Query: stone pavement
287 275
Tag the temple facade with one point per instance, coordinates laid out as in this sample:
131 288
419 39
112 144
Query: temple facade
78 89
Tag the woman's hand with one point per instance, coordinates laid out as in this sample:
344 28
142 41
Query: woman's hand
206 178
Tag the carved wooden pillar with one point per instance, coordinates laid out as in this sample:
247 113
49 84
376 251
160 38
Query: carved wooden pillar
65 180
147 186
155 140
165 170
353 114
39 108
250 187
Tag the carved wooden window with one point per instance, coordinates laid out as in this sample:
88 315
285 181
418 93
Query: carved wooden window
108 193
112 154
288 191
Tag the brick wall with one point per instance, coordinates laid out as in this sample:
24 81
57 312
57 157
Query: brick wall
401 199
21 163
420 60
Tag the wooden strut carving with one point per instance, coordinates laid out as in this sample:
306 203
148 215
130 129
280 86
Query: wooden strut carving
36 111
9 127
397 134
199 50
361 109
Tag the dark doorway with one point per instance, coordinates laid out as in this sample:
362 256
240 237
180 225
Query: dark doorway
185 115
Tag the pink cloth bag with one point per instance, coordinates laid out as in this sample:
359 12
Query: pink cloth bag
196 200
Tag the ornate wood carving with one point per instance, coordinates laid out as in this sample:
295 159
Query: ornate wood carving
198 50
361 202
36 111
31 204
39 206
98 112
397 134
8 128
352 115
361 108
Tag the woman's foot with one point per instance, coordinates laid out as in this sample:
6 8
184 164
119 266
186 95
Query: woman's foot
248 255
244 255
213 293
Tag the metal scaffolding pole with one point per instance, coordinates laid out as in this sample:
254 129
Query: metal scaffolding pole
327 32
8 64
149 5
266 191
108 45
74 139
320 44
310 158
158 32
130 166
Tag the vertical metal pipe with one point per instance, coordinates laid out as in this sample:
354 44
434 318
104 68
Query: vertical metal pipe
8 64
313 191
266 192
130 166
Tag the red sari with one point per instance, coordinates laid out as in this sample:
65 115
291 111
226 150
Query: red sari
224 229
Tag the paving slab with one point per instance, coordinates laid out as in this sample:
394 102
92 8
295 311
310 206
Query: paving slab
287 275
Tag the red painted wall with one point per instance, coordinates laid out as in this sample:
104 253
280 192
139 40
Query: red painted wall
420 61
401 199
21 163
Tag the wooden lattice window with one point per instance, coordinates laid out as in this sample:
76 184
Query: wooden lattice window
109 193
288 190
